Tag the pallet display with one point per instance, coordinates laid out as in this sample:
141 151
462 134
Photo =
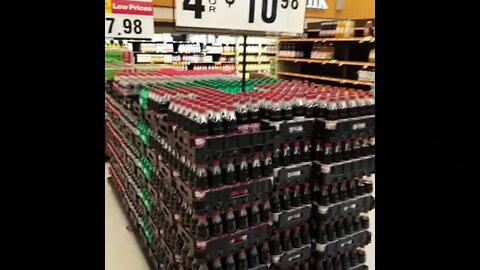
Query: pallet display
276 177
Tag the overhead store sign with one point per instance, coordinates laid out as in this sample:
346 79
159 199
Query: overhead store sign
319 4
251 15
129 19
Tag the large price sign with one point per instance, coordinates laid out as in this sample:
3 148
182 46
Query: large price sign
129 19
253 15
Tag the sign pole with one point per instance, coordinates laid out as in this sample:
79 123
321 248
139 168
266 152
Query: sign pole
244 62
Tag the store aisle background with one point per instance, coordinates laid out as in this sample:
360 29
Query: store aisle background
123 253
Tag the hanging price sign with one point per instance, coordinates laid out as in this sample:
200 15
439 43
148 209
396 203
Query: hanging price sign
129 19
252 15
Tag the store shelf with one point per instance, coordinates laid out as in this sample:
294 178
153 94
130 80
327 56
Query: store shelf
189 63
254 70
116 49
261 44
114 67
318 30
152 66
255 61
272 53
228 53
178 53
172 53
163 42
353 39
314 77
320 61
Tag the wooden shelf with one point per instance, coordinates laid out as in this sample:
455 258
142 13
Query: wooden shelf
154 66
339 80
354 39
265 53
321 61
172 53
318 30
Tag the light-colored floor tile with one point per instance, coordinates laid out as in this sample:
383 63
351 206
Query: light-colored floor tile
123 253
370 249
121 249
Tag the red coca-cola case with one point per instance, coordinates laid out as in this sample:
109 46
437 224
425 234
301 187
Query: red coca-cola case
293 217
226 196
334 131
344 244
231 243
288 259
335 172
293 174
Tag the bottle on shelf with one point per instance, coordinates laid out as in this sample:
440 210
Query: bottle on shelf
371 56
291 50
340 29
323 51
368 30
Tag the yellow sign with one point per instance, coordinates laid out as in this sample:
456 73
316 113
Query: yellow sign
108 6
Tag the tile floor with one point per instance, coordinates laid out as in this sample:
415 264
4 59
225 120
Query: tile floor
123 253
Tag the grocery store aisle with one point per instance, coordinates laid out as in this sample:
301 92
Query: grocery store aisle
123 253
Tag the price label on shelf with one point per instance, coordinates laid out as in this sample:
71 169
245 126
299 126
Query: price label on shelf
286 16
129 19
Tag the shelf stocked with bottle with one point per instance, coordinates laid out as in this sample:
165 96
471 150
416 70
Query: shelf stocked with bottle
202 52
333 39
324 78
192 52
259 53
326 61
334 52
255 67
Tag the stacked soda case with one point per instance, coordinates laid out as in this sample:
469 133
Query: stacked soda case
142 181
343 160
179 198
127 171
345 136
221 170
226 179
297 110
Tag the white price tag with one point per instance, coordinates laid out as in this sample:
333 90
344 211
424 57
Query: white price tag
295 173
330 125
254 15
320 247
295 129
144 58
353 206
359 126
346 243
128 26
325 168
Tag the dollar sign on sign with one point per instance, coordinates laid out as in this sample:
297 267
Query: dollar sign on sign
230 2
